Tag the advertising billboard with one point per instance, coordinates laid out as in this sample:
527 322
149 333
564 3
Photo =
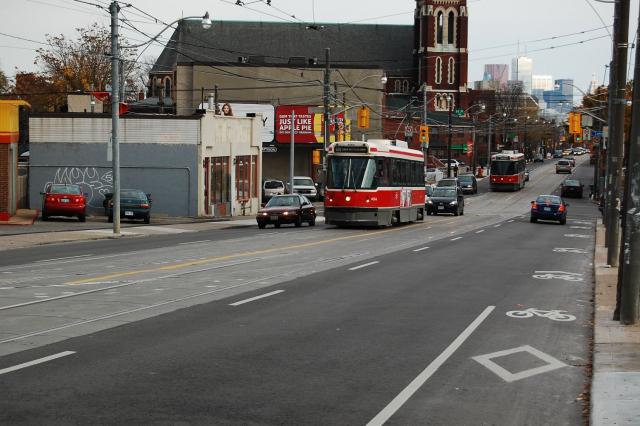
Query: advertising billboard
308 125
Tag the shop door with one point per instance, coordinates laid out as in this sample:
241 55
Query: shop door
220 187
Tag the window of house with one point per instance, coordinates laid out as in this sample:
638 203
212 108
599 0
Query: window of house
439 28
167 87
451 71
451 28
254 174
243 177
220 180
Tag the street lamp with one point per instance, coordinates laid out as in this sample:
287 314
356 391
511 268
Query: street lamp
450 102
114 8
474 149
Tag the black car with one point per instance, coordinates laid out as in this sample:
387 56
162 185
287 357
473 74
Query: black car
571 188
468 184
281 209
446 200
549 207
134 204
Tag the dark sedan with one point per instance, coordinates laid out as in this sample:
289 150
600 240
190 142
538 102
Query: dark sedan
287 209
468 184
134 204
549 207
446 200
571 188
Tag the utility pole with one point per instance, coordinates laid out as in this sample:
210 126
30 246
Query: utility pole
114 8
617 102
336 130
425 145
325 133
489 148
630 286
449 138
473 148
292 150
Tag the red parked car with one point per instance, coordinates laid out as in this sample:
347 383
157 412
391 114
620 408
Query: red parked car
64 200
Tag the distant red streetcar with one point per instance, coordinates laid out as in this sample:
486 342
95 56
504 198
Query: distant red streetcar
507 171
374 183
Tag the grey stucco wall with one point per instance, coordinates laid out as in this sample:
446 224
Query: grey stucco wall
167 171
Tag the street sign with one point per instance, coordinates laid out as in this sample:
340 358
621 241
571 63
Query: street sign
459 112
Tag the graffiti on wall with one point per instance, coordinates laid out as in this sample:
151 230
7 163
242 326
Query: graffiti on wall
91 181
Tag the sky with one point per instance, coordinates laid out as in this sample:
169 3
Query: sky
498 29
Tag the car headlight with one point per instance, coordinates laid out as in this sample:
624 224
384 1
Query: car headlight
265 214
453 203
429 202
286 213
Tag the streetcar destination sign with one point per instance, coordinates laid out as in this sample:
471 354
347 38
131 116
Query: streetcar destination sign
351 149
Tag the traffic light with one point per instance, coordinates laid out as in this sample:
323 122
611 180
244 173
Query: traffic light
363 117
424 134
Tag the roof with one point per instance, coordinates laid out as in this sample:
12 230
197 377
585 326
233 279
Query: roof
388 47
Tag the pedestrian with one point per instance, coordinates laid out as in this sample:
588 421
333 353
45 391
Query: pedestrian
226 110
455 170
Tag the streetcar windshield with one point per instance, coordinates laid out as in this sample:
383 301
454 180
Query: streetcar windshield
500 167
352 173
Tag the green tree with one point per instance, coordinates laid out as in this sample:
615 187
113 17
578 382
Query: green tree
4 82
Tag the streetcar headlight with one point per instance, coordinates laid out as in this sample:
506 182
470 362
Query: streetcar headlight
347 198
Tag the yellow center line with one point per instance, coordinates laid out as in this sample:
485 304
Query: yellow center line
231 256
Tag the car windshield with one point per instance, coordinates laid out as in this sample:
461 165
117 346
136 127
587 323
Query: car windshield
444 192
273 184
352 172
429 190
286 201
500 167
570 182
134 194
65 189
447 182
302 182
563 163
465 179
548 199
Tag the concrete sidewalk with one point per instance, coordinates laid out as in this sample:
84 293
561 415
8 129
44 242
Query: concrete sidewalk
615 386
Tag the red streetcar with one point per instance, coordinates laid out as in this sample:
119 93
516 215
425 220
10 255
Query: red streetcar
507 171
374 183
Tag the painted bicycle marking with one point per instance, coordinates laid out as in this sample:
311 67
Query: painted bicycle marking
557 275
569 250
554 315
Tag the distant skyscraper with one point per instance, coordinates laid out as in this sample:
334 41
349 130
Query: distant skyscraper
593 85
522 70
540 83
497 72
561 97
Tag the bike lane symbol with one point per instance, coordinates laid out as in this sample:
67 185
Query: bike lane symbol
554 315
557 275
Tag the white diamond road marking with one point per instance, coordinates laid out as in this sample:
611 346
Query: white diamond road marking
507 376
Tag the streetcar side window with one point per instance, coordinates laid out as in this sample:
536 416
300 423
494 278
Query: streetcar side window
382 171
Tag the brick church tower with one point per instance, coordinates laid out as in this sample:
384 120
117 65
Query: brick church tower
441 56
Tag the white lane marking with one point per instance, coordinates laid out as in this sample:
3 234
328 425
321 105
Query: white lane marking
480 231
143 308
507 376
421 249
509 221
63 258
35 362
130 283
456 238
363 265
559 275
162 229
576 236
43 262
497 226
580 227
262 296
194 242
569 250
422 378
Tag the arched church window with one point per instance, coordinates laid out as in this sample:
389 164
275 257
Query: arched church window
167 87
405 86
451 25
438 70
451 71
397 86
440 28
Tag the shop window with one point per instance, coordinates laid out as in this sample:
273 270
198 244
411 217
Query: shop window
220 180
243 177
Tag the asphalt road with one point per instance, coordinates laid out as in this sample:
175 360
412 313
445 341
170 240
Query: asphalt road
407 325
